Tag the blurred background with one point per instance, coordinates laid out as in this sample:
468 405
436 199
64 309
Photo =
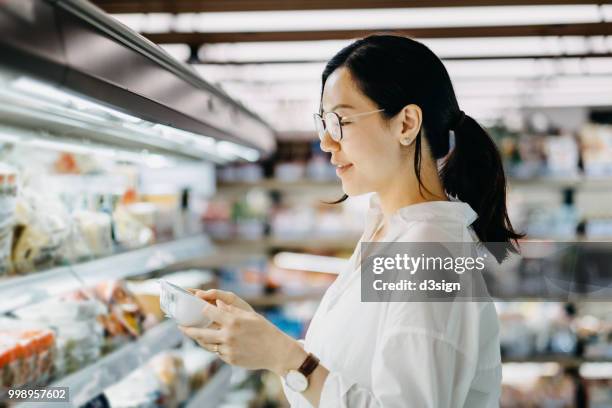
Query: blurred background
174 138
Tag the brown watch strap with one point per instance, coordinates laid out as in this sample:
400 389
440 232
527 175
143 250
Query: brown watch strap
309 365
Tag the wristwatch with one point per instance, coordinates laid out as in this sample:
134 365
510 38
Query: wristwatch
297 380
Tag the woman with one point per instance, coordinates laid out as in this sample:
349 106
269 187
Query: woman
387 111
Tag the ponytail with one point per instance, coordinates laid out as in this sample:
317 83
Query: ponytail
473 172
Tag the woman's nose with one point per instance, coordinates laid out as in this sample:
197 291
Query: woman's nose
328 144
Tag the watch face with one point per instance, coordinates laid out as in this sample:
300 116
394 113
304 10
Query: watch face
296 381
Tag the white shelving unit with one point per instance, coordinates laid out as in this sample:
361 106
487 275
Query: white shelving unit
213 392
92 380
20 291
581 183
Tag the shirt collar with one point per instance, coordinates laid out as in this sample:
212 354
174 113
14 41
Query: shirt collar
454 209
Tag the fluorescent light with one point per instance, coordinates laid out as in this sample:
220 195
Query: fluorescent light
442 47
180 52
158 23
46 142
297 20
273 51
307 262
458 69
41 89
28 100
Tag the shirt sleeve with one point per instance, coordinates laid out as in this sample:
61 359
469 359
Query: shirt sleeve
412 368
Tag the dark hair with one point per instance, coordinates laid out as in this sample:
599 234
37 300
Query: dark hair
395 71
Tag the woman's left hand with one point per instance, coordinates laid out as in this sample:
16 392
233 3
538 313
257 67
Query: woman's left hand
245 338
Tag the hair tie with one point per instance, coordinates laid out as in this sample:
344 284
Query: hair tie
459 121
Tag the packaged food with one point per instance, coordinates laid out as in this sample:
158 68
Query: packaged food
140 389
79 335
42 227
199 364
162 382
26 354
94 228
125 318
8 194
170 372
130 230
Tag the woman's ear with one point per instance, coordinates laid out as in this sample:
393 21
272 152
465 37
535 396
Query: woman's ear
409 123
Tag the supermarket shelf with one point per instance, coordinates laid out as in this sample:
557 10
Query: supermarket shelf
20 291
214 391
278 299
582 183
274 184
590 183
565 361
338 243
91 381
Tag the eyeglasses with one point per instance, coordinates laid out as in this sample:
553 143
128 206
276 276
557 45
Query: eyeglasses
332 123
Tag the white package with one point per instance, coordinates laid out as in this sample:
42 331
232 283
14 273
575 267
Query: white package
182 306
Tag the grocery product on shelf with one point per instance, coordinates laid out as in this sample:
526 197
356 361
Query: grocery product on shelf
79 335
94 229
125 319
596 143
166 381
554 390
27 354
170 371
42 228
131 232
8 194
200 365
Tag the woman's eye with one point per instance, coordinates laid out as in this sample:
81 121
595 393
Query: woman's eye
345 123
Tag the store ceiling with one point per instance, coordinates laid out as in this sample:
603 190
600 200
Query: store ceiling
193 6
503 56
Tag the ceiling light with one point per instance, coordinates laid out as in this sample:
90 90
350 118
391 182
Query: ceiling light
390 18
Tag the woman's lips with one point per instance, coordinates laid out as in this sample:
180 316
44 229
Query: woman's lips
343 168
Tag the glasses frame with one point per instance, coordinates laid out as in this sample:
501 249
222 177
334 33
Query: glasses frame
341 120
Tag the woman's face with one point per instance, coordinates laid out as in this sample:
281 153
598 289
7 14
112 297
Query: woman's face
369 150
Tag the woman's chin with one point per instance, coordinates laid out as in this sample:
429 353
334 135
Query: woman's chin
351 189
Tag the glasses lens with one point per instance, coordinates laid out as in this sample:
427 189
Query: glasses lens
319 125
333 126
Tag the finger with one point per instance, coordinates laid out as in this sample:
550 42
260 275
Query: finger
212 347
210 336
214 294
216 314
227 308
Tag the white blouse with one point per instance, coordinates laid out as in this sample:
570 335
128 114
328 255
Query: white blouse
405 354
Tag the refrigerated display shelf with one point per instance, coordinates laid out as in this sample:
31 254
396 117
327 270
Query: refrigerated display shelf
330 243
214 391
274 184
588 183
23 290
565 361
582 183
278 299
92 380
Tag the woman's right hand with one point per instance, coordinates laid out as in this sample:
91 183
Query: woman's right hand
229 298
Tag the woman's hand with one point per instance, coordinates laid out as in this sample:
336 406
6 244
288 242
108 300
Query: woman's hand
229 298
242 337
